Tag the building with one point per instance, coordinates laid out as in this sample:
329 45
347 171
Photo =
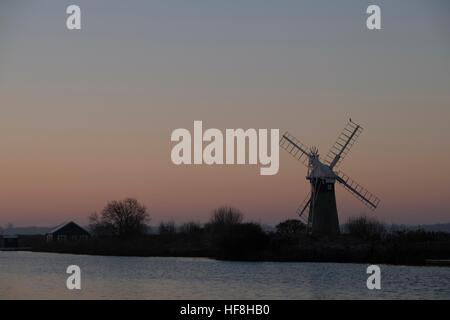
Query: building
10 241
69 231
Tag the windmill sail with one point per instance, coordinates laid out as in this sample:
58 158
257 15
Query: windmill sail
303 208
297 149
362 194
343 144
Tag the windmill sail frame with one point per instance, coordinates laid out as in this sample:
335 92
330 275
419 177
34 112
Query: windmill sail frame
294 147
361 193
343 144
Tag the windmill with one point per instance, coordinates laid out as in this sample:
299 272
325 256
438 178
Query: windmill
322 215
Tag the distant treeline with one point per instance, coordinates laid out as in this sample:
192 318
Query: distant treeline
120 230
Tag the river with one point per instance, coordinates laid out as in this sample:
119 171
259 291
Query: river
29 275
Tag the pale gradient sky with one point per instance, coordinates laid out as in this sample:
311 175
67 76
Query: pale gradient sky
86 116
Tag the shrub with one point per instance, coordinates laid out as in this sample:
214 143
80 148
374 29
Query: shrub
241 241
167 228
365 228
290 227
190 228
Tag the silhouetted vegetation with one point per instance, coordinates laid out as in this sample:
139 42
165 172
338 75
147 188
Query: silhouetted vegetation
167 228
366 228
290 228
124 219
230 238
227 236
191 228
225 217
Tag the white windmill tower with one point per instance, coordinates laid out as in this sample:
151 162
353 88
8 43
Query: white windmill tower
321 201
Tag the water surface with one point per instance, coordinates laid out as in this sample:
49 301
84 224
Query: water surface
29 275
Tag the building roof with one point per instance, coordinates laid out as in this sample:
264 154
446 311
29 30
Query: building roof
58 227
67 224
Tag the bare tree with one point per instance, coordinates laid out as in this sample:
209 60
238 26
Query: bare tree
125 218
226 216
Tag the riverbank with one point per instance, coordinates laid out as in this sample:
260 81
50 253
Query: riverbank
399 249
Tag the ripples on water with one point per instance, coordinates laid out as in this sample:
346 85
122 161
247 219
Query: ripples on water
27 275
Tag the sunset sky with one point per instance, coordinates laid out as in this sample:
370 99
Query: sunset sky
86 116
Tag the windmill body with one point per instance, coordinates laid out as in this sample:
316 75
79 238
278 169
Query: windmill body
322 218
323 215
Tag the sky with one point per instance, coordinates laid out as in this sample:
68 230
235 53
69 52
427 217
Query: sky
86 116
